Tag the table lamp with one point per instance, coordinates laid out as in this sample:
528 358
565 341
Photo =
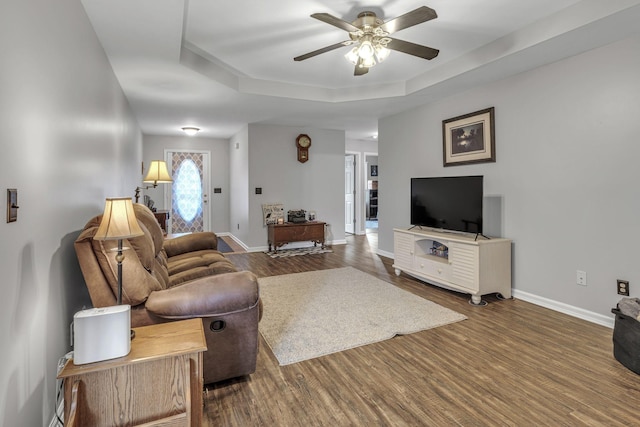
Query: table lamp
158 174
104 333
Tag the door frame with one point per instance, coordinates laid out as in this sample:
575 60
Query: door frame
359 197
206 185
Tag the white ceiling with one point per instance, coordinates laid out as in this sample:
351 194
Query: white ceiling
221 65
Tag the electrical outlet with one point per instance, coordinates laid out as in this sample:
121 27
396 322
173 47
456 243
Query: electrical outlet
623 287
581 278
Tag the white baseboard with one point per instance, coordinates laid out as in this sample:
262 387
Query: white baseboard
580 313
385 254
235 239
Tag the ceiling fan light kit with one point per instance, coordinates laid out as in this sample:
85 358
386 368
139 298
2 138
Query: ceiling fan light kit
370 39
366 54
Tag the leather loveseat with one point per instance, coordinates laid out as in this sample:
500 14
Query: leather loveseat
179 278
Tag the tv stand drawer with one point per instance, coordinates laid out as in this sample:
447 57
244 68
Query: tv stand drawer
433 267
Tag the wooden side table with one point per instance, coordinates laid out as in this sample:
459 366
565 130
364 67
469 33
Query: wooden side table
280 234
162 217
159 383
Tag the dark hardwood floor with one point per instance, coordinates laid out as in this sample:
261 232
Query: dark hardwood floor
510 363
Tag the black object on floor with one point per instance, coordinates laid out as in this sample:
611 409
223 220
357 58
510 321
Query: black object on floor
223 246
626 341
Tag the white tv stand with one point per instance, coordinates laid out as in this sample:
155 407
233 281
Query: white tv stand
477 266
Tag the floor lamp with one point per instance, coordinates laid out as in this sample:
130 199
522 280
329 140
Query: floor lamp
118 222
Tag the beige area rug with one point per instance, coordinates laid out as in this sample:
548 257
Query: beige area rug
312 314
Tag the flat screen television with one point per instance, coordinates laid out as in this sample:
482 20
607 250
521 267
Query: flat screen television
449 203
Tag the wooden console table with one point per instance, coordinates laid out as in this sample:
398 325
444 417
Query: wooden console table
280 234
159 383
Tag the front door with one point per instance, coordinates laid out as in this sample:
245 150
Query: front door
189 198
349 193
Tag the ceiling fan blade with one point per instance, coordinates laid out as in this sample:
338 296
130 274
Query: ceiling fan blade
359 71
336 22
323 50
413 49
418 16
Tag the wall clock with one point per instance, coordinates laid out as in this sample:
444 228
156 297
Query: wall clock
303 142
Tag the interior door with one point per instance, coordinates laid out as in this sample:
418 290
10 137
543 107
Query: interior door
188 198
349 193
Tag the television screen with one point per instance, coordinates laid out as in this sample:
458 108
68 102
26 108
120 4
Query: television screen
449 203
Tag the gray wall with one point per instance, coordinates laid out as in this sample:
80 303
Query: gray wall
566 176
68 141
266 157
153 149
239 172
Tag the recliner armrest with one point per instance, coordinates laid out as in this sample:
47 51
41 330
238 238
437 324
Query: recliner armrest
191 242
208 296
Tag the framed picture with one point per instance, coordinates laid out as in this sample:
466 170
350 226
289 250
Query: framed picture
374 170
272 213
12 205
469 138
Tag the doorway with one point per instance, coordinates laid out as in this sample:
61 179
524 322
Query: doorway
188 197
371 193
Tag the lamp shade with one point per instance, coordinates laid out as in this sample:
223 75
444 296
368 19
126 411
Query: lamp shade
118 221
158 173
366 51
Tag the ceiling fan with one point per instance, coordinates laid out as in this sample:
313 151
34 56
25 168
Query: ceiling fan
370 37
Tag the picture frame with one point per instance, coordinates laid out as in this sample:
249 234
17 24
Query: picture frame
374 170
469 138
12 205
272 213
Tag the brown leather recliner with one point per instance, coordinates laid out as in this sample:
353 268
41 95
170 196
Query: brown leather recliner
180 278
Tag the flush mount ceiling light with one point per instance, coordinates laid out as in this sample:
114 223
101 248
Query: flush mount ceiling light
190 130
370 38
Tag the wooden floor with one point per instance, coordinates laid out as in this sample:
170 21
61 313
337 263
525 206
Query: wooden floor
510 364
